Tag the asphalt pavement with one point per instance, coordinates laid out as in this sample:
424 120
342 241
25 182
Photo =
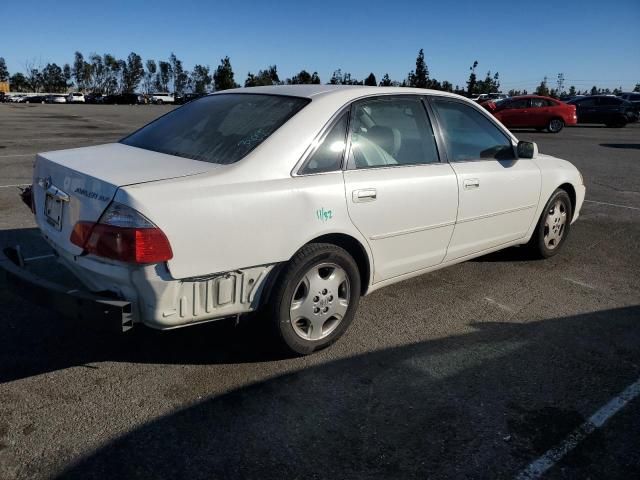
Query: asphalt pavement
475 371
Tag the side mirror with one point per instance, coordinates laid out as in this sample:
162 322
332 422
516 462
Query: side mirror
527 149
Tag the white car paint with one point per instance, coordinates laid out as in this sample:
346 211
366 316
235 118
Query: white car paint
229 225
76 97
163 98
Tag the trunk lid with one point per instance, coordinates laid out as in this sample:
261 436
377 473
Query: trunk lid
78 184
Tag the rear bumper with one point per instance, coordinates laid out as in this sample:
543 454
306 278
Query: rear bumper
103 312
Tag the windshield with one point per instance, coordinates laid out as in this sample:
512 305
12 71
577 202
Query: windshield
219 128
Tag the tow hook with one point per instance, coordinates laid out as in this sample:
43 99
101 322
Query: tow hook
26 194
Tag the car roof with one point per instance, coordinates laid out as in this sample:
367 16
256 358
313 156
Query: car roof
350 91
533 96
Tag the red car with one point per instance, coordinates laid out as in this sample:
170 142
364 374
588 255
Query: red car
533 111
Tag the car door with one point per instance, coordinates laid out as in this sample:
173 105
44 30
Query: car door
399 195
586 110
540 113
515 113
498 194
610 109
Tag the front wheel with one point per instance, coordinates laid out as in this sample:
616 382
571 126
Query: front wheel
315 298
555 125
554 225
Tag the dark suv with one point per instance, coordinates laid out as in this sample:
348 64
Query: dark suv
633 97
612 111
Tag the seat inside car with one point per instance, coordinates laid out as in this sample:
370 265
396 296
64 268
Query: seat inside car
376 146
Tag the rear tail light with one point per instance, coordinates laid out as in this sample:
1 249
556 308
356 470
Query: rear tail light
123 234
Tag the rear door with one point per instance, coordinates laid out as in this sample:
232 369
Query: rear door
399 195
610 109
587 110
540 113
498 194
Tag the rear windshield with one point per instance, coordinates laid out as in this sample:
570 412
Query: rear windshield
219 128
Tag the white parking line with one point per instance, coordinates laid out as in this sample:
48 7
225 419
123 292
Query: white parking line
19 155
120 124
499 305
538 467
577 282
16 185
612 205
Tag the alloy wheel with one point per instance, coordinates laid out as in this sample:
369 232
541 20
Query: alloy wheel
320 301
554 226
555 125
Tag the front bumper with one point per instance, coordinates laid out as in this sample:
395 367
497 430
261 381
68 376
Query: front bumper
102 312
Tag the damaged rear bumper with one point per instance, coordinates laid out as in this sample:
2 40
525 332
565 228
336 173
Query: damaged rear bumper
103 312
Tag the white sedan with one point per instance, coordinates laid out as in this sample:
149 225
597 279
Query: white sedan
291 200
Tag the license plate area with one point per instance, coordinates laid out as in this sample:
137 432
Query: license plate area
53 210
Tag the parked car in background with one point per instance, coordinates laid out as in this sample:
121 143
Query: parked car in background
35 99
56 99
495 97
76 97
612 111
533 111
483 97
188 97
146 223
93 98
633 97
160 98
121 99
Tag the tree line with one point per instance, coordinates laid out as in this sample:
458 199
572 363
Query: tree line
105 74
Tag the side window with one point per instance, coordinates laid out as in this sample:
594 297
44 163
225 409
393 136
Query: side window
389 132
587 102
520 103
469 135
539 103
328 155
609 101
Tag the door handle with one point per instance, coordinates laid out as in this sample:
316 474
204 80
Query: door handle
364 195
471 183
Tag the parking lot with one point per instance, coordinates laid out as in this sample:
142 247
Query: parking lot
475 371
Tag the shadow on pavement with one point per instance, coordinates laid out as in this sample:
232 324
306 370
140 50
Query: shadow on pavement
478 405
630 146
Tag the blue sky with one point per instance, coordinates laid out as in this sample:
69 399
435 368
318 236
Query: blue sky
590 42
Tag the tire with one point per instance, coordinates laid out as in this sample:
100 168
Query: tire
322 282
159 102
555 125
553 226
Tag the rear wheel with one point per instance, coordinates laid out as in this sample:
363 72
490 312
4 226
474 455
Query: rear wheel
159 102
315 298
555 125
553 226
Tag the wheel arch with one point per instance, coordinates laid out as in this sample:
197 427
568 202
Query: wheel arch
351 244
571 191
355 249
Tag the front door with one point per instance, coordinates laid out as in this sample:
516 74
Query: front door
498 194
399 195
515 113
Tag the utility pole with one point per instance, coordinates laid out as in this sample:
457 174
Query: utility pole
560 83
